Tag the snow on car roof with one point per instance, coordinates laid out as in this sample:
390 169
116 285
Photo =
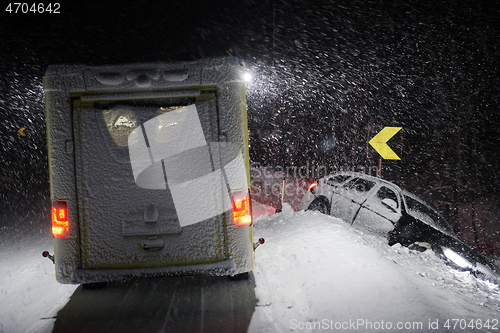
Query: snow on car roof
365 176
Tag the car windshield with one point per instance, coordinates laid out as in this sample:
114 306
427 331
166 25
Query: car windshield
422 211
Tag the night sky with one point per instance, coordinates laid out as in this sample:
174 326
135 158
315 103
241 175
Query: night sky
328 75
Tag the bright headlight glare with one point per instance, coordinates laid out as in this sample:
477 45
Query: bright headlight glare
456 258
247 76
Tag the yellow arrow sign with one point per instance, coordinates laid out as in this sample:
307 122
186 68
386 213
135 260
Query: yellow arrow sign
379 143
21 131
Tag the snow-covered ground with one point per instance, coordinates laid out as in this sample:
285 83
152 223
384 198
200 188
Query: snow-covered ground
316 273
30 297
313 274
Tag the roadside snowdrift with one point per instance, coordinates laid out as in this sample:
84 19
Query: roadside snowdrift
30 296
315 272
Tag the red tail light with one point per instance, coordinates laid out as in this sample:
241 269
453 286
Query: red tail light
60 220
313 185
242 212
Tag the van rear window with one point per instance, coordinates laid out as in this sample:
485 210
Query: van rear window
121 118
120 122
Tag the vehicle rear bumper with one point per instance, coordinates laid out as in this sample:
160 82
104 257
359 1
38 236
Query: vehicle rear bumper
221 268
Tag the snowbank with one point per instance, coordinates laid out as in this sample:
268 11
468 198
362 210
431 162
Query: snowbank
316 273
29 293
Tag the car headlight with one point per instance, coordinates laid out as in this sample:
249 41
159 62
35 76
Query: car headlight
457 259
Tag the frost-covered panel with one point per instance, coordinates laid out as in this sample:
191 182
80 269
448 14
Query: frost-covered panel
160 138
173 151
188 165
230 158
174 132
140 160
200 198
141 76
114 207
236 173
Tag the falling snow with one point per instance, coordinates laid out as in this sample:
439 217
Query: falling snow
325 79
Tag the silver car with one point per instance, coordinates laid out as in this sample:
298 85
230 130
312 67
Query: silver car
382 208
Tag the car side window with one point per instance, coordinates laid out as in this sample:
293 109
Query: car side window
350 183
387 193
359 184
337 180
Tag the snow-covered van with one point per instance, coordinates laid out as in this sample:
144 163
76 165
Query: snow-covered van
149 170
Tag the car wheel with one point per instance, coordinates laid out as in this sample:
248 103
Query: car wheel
320 205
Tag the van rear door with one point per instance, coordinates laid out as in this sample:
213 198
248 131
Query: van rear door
150 189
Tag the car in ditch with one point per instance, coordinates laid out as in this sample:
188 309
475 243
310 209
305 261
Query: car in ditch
381 207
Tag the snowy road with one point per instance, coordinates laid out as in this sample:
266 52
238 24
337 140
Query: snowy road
313 274
182 304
